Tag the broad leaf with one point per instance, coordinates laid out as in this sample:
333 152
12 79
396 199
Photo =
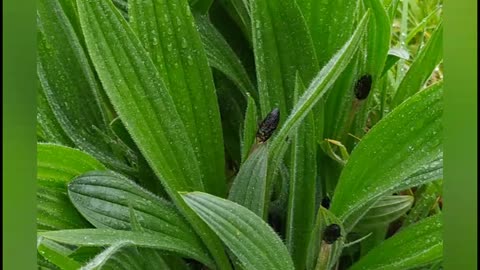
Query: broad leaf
249 187
104 199
408 138
249 238
107 237
145 106
56 166
278 55
385 210
66 78
418 245
168 33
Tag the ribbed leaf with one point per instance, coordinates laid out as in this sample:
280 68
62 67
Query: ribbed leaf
56 166
48 126
249 187
301 201
222 57
107 237
278 55
418 245
145 106
249 238
379 163
386 210
66 78
333 28
422 67
104 199
168 33
124 256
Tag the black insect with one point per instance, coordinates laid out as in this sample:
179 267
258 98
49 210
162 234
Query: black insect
326 202
268 125
331 233
363 86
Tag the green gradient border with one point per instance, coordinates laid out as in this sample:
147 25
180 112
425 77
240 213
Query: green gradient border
19 142
460 120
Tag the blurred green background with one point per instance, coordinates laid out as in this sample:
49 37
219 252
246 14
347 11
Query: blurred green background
19 134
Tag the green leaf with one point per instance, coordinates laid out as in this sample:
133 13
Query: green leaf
249 187
425 199
47 124
429 172
249 238
318 87
145 106
243 186
104 256
333 29
66 78
107 237
201 5
222 57
168 33
379 163
301 201
249 128
418 245
422 67
104 199
393 56
56 166
278 56
56 254
378 37
385 210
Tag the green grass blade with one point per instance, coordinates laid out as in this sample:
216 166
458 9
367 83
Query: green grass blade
372 170
107 237
144 105
378 37
301 201
250 127
167 31
249 238
56 166
418 245
422 67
